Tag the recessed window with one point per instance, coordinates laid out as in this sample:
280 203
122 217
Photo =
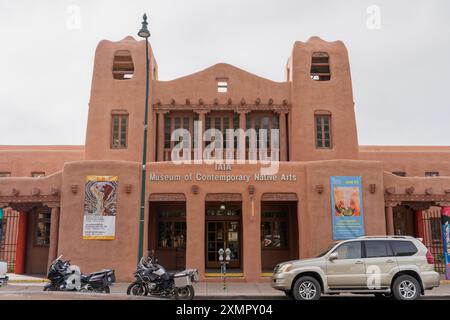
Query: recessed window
123 66
320 66
5 174
399 173
431 174
42 229
37 174
119 130
323 131
222 85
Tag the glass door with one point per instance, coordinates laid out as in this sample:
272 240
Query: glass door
222 234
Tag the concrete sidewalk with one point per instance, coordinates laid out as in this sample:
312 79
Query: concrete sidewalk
203 290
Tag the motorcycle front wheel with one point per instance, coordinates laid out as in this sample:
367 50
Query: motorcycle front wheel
137 289
185 293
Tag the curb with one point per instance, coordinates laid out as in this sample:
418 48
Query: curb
28 281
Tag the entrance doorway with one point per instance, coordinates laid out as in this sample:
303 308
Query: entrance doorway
167 233
223 230
279 233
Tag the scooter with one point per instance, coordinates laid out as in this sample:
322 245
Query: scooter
153 279
66 277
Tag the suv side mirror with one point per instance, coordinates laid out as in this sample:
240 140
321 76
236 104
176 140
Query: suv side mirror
333 256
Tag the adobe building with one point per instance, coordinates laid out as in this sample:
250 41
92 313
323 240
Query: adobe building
192 210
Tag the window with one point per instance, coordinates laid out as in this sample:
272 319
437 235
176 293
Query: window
436 228
323 131
171 228
403 248
320 67
37 174
123 66
166 132
431 174
119 130
42 229
5 174
376 249
222 85
274 229
399 173
349 250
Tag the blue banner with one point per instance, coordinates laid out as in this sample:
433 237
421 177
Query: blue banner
347 207
446 236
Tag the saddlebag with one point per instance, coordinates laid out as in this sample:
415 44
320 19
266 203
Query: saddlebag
182 280
102 278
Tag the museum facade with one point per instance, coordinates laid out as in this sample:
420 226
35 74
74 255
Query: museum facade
84 201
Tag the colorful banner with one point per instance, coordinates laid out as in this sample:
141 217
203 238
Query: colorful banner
347 207
100 207
446 236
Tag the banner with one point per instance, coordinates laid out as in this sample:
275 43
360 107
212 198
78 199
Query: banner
347 207
446 236
100 207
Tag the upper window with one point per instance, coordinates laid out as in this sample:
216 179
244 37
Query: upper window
320 66
37 174
349 250
431 174
119 130
377 249
403 248
5 174
399 173
323 130
123 66
222 85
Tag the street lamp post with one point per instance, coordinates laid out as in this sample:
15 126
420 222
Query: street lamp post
144 33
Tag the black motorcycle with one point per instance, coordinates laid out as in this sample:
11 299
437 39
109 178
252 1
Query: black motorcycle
66 277
152 279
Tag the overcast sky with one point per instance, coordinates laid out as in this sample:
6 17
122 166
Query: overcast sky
399 57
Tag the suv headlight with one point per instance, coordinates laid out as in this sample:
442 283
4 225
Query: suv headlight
285 268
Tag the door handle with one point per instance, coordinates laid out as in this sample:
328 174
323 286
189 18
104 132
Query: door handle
390 261
359 262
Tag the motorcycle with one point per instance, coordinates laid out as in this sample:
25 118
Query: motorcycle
153 279
66 277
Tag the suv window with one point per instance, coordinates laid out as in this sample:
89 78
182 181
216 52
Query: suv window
403 248
377 248
349 250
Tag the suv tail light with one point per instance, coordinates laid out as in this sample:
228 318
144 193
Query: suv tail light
430 258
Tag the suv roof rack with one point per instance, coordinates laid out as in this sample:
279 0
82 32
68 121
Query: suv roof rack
387 236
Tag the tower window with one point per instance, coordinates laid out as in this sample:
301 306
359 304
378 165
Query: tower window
123 66
222 85
38 174
431 174
119 132
399 173
323 130
320 66
5 174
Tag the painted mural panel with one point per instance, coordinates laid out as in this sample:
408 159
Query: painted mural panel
100 207
347 207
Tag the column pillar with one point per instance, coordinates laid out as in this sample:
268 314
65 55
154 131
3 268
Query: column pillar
195 233
200 143
160 134
283 136
390 220
251 237
54 235
21 245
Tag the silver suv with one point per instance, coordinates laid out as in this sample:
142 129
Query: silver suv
387 266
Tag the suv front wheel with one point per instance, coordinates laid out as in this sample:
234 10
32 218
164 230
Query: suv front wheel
306 288
406 288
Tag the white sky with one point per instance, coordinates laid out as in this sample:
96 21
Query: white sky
400 72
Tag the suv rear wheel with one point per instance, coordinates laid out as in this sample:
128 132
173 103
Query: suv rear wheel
406 287
306 288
